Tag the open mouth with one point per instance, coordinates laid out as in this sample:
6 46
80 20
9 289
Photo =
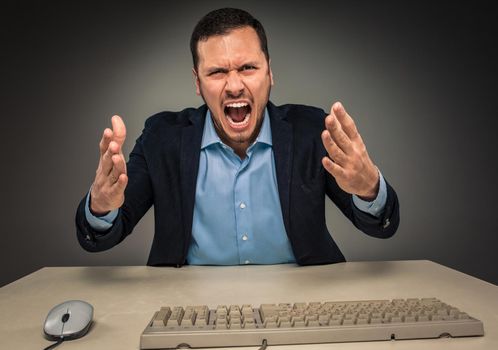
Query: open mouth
238 114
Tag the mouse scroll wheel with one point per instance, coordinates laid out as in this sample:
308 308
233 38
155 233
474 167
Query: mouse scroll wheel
65 317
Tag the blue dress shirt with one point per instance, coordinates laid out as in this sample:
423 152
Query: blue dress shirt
237 215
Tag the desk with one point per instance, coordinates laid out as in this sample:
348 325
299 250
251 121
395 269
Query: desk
125 298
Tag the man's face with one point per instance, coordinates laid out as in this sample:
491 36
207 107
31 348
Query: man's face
234 79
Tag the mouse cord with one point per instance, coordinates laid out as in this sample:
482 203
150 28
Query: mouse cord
59 342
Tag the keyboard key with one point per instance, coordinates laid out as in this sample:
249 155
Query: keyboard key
348 321
285 323
268 310
235 323
362 321
247 310
176 316
270 324
410 318
422 318
376 320
221 310
221 323
249 323
161 318
335 322
188 317
298 321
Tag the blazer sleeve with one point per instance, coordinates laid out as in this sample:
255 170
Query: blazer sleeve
138 199
381 227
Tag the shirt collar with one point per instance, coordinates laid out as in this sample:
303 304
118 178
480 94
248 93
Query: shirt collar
210 136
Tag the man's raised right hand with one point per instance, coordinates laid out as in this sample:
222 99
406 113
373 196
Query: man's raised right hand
110 179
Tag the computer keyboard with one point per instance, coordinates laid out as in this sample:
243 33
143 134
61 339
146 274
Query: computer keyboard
306 323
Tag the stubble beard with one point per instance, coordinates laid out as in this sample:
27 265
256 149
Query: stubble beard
239 139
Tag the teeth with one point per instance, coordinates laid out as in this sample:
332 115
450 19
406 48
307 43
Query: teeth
237 105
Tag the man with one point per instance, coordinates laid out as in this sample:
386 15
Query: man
238 180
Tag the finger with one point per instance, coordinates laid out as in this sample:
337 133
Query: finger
120 185
334 127
334 152
334 169
347 123
114 148
119 163
118 168
106 164
119 129
104 142
112 178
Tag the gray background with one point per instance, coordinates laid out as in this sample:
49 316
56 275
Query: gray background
419 78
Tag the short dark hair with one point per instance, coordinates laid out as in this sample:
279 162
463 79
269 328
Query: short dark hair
221 22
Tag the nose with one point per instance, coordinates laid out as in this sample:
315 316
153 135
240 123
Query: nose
234 85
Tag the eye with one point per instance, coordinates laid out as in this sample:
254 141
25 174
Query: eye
247 67
216 72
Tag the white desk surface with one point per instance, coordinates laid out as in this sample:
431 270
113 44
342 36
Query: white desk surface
125 298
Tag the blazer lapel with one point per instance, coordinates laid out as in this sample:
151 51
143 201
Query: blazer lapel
189 165
281 132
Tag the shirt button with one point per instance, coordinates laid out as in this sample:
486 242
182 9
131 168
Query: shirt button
386 223
244 237
242 205
247 262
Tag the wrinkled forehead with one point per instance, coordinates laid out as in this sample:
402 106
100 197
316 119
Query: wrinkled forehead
235 47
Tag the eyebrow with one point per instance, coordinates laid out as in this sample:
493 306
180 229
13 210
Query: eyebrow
213 69
216 69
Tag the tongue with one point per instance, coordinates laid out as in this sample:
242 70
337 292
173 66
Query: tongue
237 114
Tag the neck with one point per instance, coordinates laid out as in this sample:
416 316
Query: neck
240 149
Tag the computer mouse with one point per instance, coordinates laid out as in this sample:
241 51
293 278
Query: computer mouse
68 320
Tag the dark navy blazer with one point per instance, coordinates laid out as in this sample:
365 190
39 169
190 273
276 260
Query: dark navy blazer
162 171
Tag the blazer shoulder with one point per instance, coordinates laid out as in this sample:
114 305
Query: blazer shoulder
301 116
164 121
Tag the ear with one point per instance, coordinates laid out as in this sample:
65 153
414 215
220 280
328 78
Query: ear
196 81
271 73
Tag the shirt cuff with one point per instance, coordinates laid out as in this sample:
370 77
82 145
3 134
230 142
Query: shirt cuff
375 207
99 223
